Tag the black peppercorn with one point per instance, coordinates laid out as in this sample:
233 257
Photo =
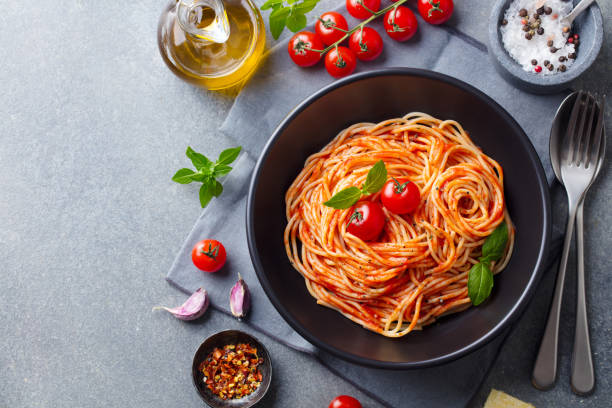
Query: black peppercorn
540 10
572 55
534 62
551 67
562 59
504 22
526 28
523 12
550 43
553 49
547 10
536 16
562 68
546 63
528 36
540 30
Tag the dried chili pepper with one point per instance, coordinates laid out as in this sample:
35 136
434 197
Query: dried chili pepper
233 371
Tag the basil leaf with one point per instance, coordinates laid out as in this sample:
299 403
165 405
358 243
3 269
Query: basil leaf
277 20
183 176
222 170
495 244
305 7
218 189
295 22
199 160
480 283
344 198
206 194
377 177
228 156
270 4
200 176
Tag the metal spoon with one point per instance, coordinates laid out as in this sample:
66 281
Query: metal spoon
583 377
580 7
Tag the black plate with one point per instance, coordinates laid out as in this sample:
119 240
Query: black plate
372 97
219 340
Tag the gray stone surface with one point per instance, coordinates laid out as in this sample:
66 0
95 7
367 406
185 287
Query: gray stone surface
93 125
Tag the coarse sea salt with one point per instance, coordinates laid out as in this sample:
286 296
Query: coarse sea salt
523 50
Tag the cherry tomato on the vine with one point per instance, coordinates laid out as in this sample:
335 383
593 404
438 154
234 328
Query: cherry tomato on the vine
344 401
208 255
362 9
325 27
340 61
366 43
435 11
300 48
366 221
400 23
400 196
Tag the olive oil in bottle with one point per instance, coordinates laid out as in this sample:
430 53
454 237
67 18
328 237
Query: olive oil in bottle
212 43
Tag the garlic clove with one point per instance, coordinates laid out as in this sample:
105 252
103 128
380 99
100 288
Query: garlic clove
240 298
194 306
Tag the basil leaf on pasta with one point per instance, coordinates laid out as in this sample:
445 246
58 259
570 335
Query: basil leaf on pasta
377 177
480 283
344 198
495 244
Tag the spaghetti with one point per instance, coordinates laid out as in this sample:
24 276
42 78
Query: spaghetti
418 268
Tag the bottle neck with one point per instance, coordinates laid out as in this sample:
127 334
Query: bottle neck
205 20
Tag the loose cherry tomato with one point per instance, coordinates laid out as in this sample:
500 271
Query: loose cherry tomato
340 61
344 401
208 255
357 8
324 27
366 221
400 23
400 196
366 43
300 45
436 11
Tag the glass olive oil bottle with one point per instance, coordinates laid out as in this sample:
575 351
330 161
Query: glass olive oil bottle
212 43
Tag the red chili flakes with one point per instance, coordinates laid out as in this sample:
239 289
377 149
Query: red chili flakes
232 372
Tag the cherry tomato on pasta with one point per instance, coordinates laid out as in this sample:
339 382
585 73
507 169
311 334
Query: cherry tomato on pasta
208 255
366 221
300 48
436 11
324 27
340 61
400 196
400 23
344 401
357 8
366 43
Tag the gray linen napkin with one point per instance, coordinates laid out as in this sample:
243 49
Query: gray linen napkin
277 87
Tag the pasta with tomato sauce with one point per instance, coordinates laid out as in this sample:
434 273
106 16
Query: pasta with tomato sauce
417 269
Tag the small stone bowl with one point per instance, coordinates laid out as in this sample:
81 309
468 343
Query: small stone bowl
219 340
588 25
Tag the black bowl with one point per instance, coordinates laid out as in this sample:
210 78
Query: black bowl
372 97
219 340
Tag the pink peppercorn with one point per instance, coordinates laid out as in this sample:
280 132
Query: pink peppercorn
538 68
524 21
570 40
576 36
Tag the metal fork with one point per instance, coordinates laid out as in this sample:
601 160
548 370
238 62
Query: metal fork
579 160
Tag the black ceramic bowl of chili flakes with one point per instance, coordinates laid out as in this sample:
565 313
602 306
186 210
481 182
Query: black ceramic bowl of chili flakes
231 369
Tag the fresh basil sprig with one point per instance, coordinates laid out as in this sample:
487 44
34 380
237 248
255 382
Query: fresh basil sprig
289 13
207 172
480 278
376 179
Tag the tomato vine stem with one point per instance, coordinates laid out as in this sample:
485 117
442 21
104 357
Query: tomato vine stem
358 26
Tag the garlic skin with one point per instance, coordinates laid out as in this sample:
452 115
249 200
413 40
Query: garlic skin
240 298
194 306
